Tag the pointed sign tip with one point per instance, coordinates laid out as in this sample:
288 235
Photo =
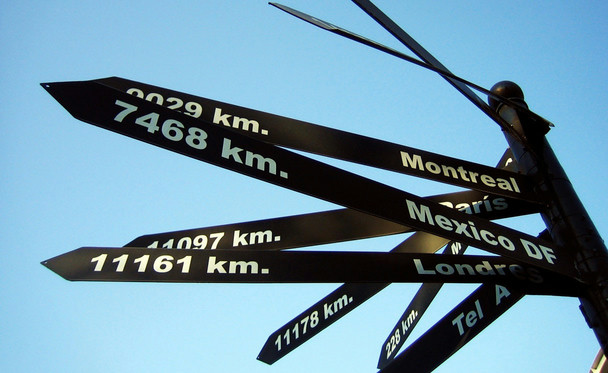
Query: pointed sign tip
306 17
265 360
50 87
48 264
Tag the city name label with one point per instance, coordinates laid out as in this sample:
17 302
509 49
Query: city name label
454 330
247 266
300 135
128 115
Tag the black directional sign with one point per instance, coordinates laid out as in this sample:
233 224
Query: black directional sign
333 307
247 266
454 330
276 234
330 142
126 114
322 227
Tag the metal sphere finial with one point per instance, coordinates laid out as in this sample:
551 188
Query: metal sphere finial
506 89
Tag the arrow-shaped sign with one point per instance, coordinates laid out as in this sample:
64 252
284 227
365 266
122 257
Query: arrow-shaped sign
277 233
295 134
247 266
456 329
128 115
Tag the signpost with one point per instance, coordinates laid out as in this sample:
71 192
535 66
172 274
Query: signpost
569 259
120 112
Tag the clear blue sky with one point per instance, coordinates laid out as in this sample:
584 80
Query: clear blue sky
66 184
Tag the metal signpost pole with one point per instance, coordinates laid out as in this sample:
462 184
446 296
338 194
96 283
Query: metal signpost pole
566 219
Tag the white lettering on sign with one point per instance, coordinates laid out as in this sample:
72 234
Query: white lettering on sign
299 328
233 121
194 109
538 252
471 318
235 267
477 207
403 327
455 248
330 308
250 159
468 229
161 264
253 238
407 323
171 129
501 292
310 321
484 268
415 161
198 242
423 214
